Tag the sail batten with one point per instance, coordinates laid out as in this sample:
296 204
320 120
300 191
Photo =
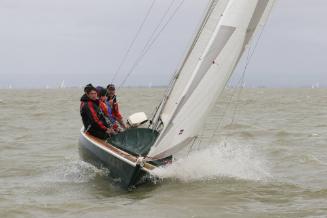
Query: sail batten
228 28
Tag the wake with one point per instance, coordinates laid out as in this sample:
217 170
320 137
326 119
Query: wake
229 160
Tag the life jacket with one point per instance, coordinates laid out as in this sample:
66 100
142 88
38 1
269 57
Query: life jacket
114 108
110 112
92 116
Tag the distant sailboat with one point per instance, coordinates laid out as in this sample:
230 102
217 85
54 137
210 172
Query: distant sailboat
315 86
62 85
226 30
10 86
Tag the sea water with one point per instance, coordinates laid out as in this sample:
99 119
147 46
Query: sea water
262 153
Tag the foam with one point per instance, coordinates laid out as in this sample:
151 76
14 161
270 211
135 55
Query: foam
226 159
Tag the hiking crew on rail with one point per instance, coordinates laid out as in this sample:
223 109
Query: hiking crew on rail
100 115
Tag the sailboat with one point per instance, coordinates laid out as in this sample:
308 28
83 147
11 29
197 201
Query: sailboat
224 33
62 85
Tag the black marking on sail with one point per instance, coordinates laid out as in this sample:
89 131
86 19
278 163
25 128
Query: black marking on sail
223 37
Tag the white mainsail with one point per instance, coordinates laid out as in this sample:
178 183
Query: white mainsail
226 30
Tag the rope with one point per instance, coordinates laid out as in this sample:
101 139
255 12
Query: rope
191 147
133 41
138 60
250 54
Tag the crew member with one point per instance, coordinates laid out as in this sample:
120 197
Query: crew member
92 116
113 104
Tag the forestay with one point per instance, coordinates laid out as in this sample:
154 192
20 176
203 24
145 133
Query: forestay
227 28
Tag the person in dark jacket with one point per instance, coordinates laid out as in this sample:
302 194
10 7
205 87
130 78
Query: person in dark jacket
84 98
92 116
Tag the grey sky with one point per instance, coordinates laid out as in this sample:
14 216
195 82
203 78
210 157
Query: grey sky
43 42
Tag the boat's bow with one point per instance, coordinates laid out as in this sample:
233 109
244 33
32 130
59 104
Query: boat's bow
124 163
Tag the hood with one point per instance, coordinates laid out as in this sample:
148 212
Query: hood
84 98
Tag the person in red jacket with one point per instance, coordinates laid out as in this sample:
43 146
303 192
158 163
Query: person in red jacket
106 109
113 104
93 118
102 92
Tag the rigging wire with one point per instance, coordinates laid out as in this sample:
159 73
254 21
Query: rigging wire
160 22
239 86
244 72
246 66
150 38
207 13
139 59
133 41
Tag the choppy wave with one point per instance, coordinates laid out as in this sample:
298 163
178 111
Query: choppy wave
40 113
286 159
227 159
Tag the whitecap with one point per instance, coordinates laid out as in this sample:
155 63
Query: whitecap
230 160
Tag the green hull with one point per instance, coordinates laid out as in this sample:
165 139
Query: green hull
125 173
120 155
